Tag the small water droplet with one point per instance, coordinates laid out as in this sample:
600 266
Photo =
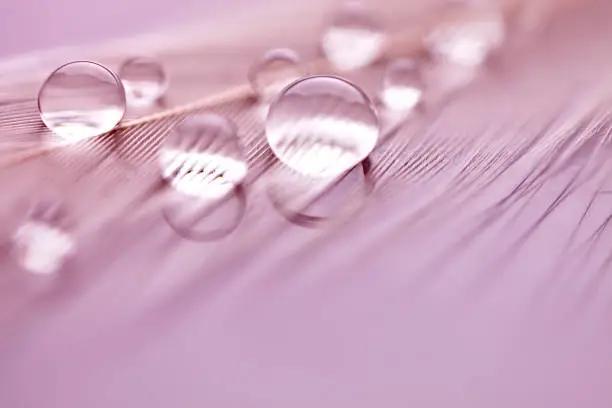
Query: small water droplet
470 39
276 70
81 100
144 80
403 86
202 157
354 38
322 126
43 243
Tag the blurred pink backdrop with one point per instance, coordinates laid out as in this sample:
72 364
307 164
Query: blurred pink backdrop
34 25
303 319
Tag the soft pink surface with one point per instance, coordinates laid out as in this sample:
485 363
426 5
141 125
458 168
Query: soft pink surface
34 25
302 319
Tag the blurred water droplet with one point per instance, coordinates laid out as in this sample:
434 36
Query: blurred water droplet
81 100
469 40
322 126
202 157
43 243
403 86
144 80
276 70
354 38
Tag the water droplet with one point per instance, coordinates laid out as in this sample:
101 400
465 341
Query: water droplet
402 85
322 126
81 100
144 80
43 243
315 202
276 70
202 157
469 40
354 38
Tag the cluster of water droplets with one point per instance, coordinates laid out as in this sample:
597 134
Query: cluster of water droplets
355 38
317 126
83 99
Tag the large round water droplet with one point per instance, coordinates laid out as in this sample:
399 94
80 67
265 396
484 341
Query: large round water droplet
354 38
274 72
202 157
81 100
144 80
470 39
322 126
403 85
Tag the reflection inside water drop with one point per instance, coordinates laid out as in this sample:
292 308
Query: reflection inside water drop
354 39
81 100
43 243
322 126
402 85
316 202
202 157
144 80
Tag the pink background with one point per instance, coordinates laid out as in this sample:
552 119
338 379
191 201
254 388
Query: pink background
284 317
33 25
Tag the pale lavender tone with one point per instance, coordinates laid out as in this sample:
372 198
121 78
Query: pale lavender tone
33 25
283 317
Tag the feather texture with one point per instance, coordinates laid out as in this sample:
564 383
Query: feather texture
485 205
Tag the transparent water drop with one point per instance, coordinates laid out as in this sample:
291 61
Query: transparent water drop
354 39
144 80
43 243
203 158
322 126
276 70
81 100
403 85
316 202
469 40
